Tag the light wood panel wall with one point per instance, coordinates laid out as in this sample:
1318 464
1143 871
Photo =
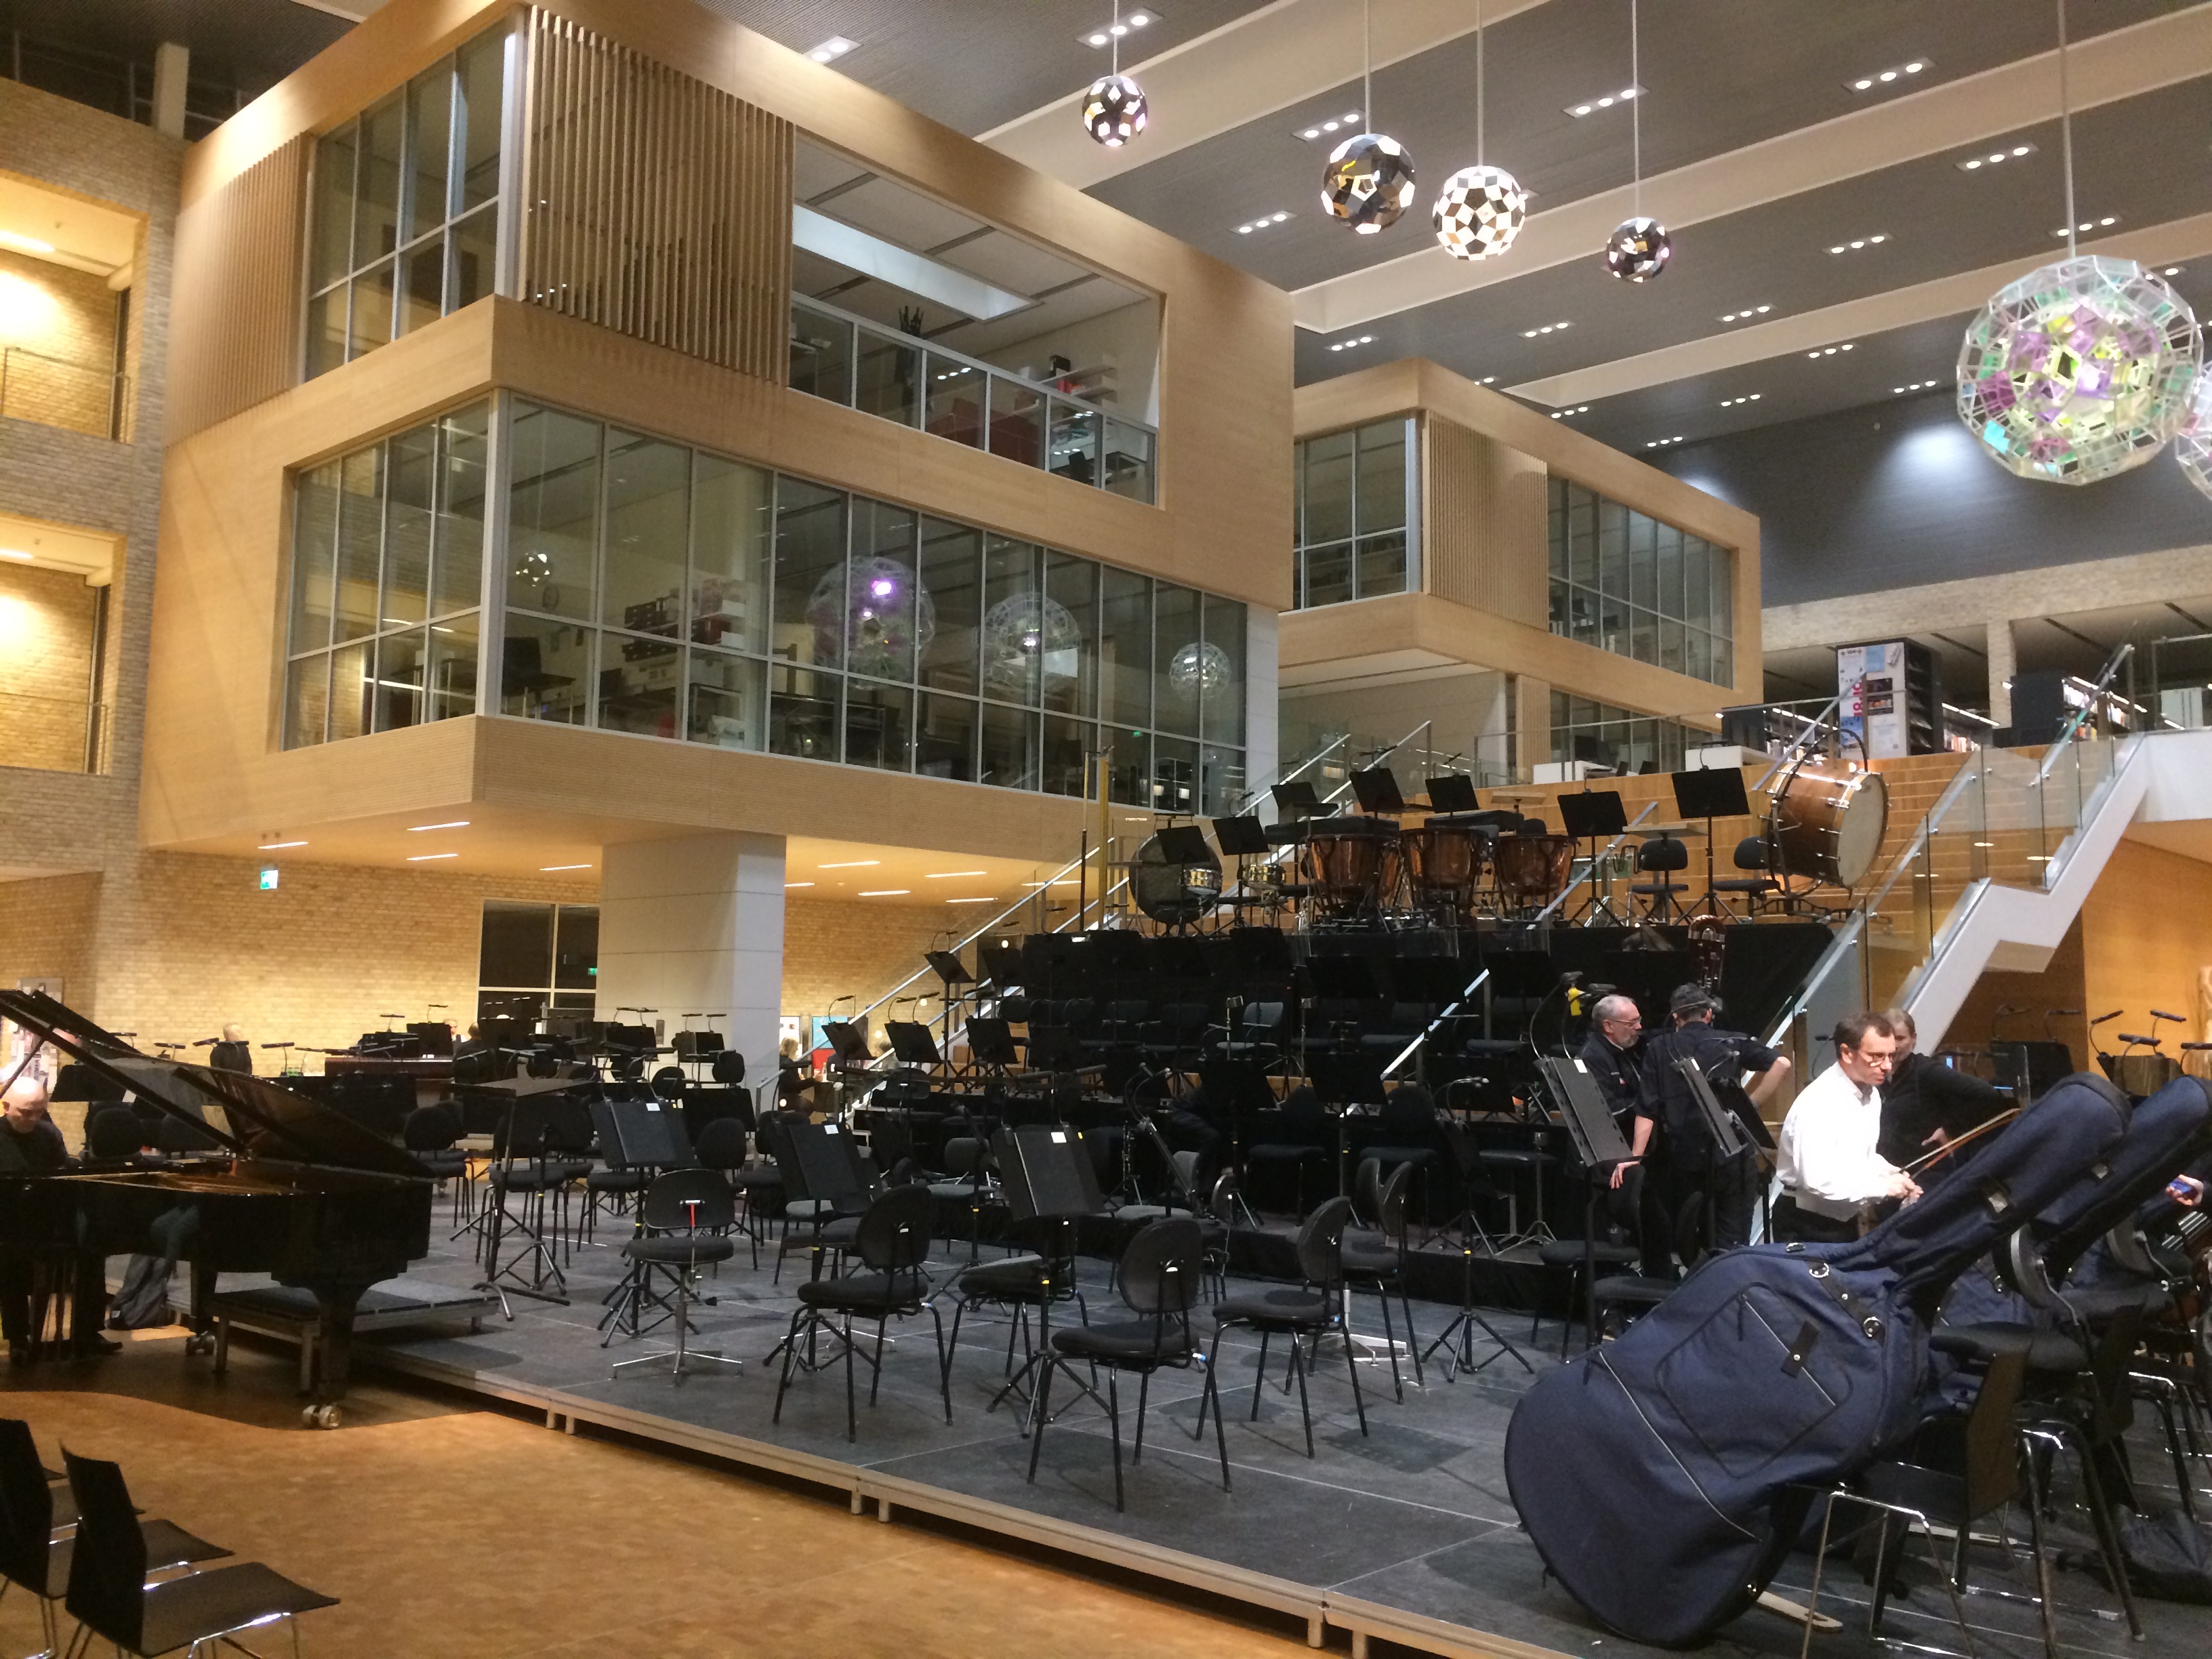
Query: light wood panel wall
654 204
234 304
1485 523
2147 937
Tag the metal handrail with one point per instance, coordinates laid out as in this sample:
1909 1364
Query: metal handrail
923 343
1253 796
1459 1002
1796 747
2072 729
1604 852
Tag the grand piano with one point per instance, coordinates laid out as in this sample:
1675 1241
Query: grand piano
291 1189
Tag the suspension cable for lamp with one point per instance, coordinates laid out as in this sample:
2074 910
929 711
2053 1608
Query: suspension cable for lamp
2066 128
1114 34
1479 156
1367 65
1636 109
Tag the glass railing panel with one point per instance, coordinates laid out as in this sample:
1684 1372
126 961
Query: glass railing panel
956 397
1017 412
887 377
1129 460
821 355
1073 447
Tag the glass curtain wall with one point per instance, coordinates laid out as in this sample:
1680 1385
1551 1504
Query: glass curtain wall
406 207
1358 533
536 960
1621 742
387 573
1628 584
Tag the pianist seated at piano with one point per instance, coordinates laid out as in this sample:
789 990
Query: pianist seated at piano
30 1144
233 1052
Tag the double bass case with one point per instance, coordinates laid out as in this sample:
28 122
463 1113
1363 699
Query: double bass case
1664 1476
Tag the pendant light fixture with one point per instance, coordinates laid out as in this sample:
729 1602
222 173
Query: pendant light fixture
1640 247
1115 110
1480 210
1368 180
2082 369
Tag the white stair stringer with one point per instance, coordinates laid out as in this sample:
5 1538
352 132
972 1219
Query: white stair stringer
2014 929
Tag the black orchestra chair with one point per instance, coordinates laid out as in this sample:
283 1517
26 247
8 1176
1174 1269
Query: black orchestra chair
722 1148
111 1557
1572 1256
1406 1132
1159 1275
1628 1295
1378 1260
687 1215
614 1181
1755 885
966 1182
1310 1310
1299 1138
1659 859
1042 1279
33 1560
892 1242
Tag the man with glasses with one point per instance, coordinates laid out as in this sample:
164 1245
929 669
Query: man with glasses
1833 1178
1612 1055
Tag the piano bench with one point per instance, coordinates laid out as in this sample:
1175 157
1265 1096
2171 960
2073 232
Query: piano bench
291 1314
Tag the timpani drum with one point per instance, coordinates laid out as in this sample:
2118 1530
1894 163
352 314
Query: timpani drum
1534 870
1443 861
1344 859
1827 821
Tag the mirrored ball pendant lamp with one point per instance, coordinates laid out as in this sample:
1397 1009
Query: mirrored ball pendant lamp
1114 110
1368 182
2192 444
1639 249
1479 212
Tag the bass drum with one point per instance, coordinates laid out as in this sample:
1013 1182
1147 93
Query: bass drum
1172 892
1827 821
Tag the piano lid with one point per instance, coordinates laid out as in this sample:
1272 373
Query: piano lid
265 1121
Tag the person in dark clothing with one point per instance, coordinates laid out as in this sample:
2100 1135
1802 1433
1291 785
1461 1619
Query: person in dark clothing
1671 1134
233 1052
1926 1103
30 1144
1612 1055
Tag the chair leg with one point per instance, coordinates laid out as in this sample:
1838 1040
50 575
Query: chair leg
944 1361
2031 1469
1144 1390
1412 1342
1114 1421
1043 1411
1352 1365
1259 1376
1220 1440
1305 1410
790 1354
2108 1537
1390 1336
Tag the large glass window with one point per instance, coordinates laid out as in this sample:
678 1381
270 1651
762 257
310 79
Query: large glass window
406 205
1357 524
831 626
536 960
1621 742
387 569
1628 584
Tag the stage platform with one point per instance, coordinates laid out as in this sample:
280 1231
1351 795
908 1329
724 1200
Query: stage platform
1406 1534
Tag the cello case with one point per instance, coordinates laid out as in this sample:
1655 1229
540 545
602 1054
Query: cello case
1664 1476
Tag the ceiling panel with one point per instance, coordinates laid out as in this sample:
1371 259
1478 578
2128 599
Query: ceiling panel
1011 263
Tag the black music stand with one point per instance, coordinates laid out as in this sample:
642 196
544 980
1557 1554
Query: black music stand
1727 1139
991 1043
1453 793
1594 815
1457 1339
529 1114
1599 1146
911 1042
1709 793
1048 1176
1296 799
826 1166
1241 838
1376 789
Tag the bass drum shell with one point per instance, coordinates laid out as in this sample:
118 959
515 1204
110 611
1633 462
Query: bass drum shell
1828 824
1171 893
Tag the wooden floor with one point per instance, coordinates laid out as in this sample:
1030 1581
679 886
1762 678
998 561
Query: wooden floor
451 1531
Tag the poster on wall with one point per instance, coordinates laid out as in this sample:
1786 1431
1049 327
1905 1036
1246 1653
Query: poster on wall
17 1044
1870 698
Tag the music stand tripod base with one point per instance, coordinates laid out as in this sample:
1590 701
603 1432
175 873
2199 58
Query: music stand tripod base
683 1354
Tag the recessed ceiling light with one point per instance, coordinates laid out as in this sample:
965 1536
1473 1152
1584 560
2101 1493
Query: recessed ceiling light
279 845
1327 124
1745 315
888 892
1488 380
832 49
2172 270
1548 328
417 828
1261 224
1356 340
425 858
1829 351
1662 443
28 244
2105 223
1888 77
851 864
550 868
798 883
16 554
1916 385
1747 398
993 899
947 875
1106 34
1591 106
1579 409
1995 158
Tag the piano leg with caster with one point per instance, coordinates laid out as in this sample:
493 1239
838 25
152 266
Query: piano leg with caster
332 1341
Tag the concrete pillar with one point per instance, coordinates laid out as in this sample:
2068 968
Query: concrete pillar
171 64
1532 725
2003 665
1262 710
696 926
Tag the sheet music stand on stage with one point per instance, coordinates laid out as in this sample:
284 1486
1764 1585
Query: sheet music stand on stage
1709 793
912 1043
1241 838
1296 799
1048 1176
1376 789
991 1043
1594 815
1598 1146
1182 843
1728 1136
1453 793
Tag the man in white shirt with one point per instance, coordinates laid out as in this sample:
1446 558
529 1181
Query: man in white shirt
1831 1172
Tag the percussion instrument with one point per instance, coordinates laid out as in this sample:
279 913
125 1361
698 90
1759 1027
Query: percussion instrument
1174 891
1444 860
1534 870
1345 862
1827 821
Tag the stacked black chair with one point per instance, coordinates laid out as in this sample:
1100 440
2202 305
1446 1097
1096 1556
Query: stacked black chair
892 1241
109 1560
1159 1274
1379 1260
1311 1310
1297 1139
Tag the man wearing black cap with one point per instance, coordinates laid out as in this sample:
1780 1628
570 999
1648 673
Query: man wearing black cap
1674 1139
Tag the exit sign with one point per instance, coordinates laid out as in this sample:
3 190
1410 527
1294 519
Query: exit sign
269 878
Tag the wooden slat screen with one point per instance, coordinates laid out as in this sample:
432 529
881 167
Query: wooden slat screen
1485 529
235 294
655 205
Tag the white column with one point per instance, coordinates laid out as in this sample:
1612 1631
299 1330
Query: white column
2003 664
1262 714
171 64
696 926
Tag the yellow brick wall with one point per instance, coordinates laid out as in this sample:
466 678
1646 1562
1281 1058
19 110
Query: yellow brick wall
833 949
46 620
49 313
